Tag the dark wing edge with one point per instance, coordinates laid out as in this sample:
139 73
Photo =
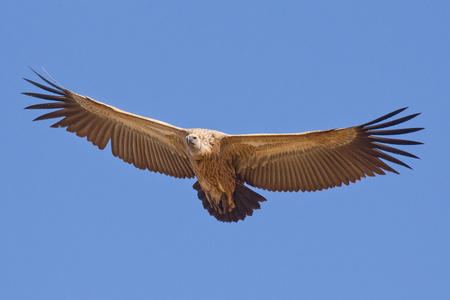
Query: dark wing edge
319 160
370 133
143 142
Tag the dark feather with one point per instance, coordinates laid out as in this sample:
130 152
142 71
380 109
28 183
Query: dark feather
394 131
45 96
393 150
392 123
49 105
394 141
44 87
48 81
51 115
389 115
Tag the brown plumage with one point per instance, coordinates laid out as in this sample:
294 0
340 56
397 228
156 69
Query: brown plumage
223 163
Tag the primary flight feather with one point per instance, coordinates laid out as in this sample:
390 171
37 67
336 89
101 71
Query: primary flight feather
223 163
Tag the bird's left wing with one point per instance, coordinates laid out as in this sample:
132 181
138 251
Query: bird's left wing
146 143
317 160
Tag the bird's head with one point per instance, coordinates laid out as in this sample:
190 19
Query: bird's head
193 143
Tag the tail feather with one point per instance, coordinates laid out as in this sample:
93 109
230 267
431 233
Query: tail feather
245 200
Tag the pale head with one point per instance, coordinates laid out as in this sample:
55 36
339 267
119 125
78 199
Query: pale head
193 143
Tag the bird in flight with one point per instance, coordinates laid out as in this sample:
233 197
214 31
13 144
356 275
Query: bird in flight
223 163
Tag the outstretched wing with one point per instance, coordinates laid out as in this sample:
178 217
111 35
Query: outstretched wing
318 160
146 143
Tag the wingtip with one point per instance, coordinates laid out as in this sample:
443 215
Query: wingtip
396 112
33 70
385 117
55 84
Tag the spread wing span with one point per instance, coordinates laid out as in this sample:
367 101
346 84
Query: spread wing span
313 161
146 143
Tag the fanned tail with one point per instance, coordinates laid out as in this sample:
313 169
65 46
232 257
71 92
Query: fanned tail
245 200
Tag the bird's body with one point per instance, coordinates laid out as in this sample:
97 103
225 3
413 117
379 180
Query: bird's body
223 163
213 168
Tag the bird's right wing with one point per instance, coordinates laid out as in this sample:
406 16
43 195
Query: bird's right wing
146 143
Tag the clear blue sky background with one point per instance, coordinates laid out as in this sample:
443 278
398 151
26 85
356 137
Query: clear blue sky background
78 223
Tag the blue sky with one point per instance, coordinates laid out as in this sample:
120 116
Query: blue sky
78 223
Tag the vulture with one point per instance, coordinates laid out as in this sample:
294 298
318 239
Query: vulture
224 164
